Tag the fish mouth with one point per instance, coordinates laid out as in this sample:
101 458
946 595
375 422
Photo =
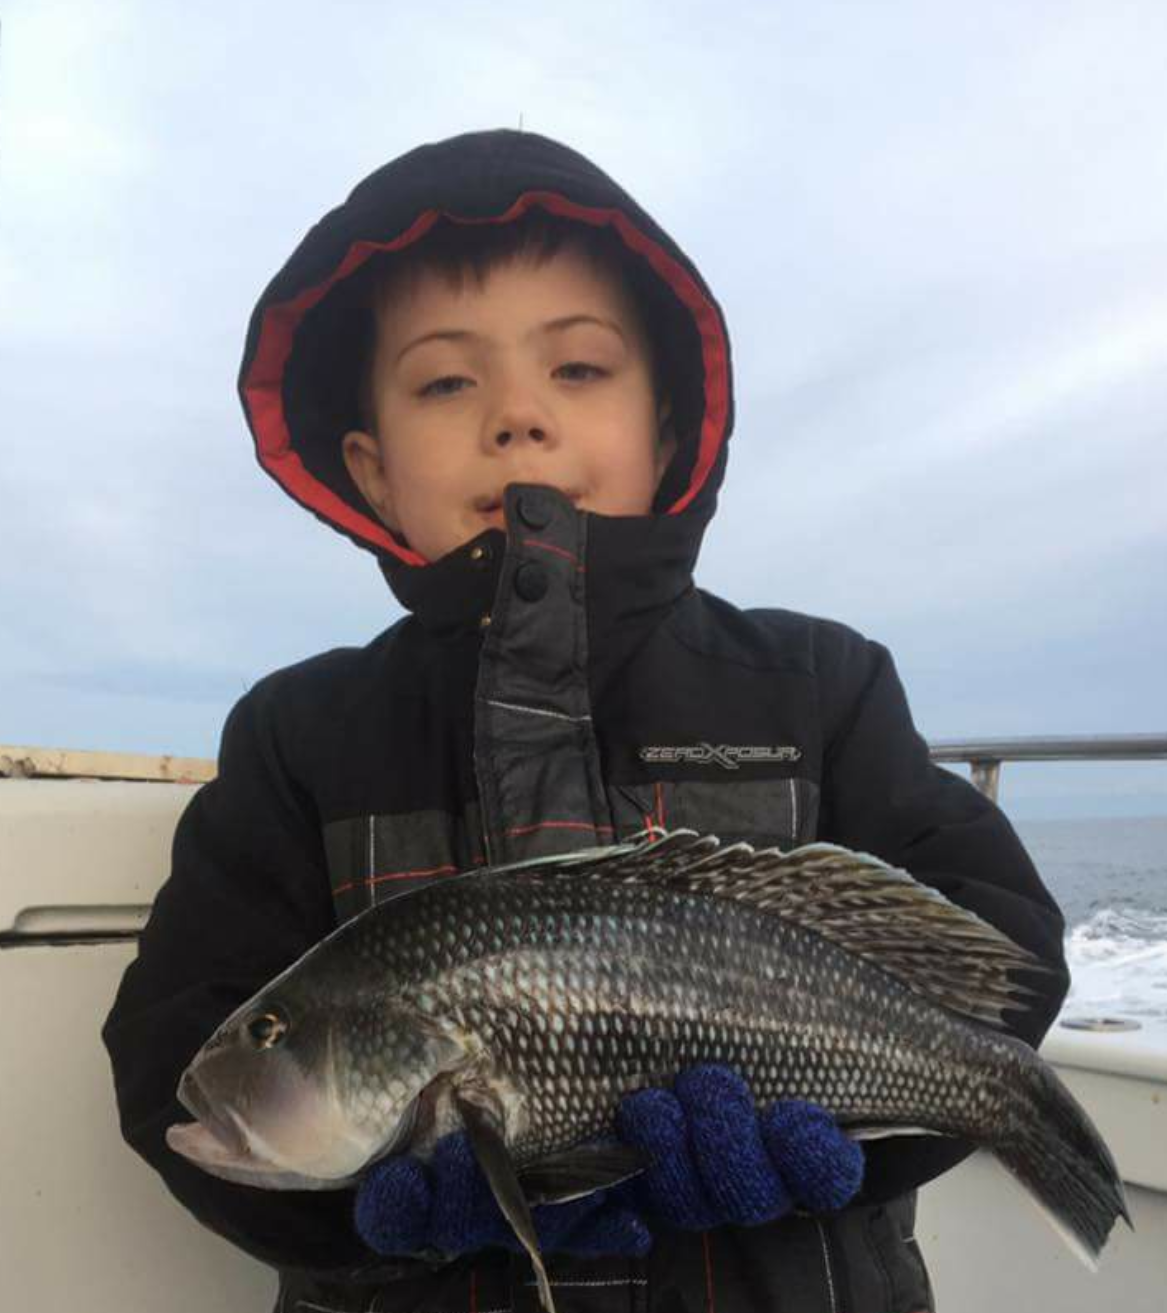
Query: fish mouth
223 1127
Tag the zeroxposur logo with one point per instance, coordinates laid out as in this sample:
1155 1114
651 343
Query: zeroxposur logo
730 755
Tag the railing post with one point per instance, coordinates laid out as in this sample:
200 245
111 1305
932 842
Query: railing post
986 776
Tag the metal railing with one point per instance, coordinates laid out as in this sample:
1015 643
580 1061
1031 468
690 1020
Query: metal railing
985 756
22 763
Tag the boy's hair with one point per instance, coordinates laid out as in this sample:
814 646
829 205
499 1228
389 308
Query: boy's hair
456 252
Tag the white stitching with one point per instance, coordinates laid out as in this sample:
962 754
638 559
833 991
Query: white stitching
318 1308
535 711
827 1266
567 1285
372 845
793 813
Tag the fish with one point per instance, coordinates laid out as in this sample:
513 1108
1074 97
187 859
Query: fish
521 1003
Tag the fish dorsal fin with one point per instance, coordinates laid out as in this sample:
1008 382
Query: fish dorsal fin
877 912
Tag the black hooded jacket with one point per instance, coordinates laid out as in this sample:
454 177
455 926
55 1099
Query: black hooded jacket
559 684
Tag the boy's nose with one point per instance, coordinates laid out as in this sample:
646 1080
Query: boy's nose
533 433
520 415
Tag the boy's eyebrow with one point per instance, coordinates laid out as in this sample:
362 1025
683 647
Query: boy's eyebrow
551 326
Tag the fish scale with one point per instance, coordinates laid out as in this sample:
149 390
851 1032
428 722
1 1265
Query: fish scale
571 958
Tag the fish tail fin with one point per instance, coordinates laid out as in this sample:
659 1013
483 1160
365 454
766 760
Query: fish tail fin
1058 1155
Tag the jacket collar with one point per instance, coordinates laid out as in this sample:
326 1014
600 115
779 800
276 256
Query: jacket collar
636 568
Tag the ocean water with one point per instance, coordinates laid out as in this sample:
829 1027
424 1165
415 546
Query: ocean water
1110 879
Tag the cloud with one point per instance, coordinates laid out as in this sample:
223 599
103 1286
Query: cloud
938 237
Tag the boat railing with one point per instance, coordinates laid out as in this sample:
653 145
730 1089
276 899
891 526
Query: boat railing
986 756
23 763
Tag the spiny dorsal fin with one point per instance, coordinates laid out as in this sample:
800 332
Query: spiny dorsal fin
878 912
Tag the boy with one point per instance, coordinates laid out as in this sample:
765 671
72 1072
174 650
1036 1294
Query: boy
532 447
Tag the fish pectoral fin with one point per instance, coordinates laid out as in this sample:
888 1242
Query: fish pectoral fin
581 1171
484 1124
886 1132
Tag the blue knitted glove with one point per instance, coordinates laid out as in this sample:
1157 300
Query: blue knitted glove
714 1162
405 1207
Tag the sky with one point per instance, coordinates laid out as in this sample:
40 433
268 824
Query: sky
938 232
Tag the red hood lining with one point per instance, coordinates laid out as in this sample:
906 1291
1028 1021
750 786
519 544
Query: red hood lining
263 390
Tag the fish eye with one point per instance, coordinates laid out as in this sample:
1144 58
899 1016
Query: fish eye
267 1029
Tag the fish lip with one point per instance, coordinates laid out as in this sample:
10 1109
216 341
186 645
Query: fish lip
225 1129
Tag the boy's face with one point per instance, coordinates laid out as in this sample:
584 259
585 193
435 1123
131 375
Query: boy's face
523 386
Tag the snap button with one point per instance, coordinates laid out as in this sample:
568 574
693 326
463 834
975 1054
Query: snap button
534 510
480 553
530 581
484 620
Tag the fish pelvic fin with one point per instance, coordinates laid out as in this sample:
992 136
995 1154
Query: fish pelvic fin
877 1132
877 912
485 1128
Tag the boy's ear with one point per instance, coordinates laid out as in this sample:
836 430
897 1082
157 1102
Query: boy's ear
666 447
366 467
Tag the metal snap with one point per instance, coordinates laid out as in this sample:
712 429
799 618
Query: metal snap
480 553
530 581
534 510
484 620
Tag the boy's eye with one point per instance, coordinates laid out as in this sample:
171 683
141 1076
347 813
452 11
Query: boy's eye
576 371
574 365
438 387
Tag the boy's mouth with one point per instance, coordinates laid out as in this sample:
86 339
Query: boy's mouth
491 505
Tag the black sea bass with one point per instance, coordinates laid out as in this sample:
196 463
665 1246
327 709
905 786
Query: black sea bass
523 1002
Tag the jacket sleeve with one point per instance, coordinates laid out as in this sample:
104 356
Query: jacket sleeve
247 894
883 794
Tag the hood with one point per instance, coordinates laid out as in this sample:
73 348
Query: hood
298 382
